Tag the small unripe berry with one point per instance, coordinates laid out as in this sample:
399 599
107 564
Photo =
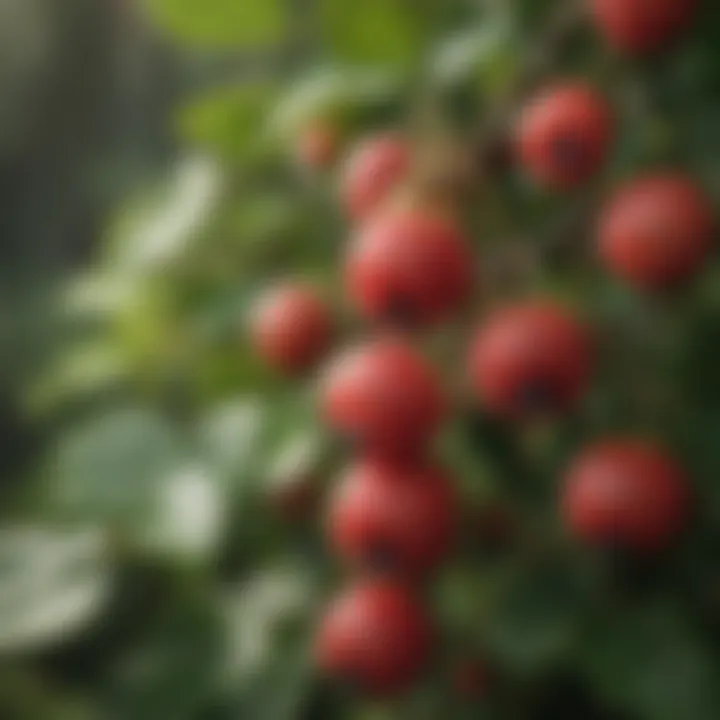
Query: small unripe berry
291 327
411 267
642 26
626 493
531 359
376 637
385 397
317 146
657 231
399 518
564 135
375 168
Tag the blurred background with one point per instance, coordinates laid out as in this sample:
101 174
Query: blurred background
161 550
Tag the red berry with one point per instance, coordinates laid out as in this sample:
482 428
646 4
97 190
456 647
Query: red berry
657 231
409 266
375 636
318 146
292 327
564 135
626 492
374 169
642 26
394 517
531 358
385 396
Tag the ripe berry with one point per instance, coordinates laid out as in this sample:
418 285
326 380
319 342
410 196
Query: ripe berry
375 636
317 146
628 493
657 231
374 169
564 135
642 26
384 396
409 266
529 359
291 327
400 518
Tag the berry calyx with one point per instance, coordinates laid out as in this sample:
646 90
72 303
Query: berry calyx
626 493
375 636
531 359
317 146
374 169
292 486
642 26
292 327
385 397
471 679
657 231
409 267
293 497
396 518
564 135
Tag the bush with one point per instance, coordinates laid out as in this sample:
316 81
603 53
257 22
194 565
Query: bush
495 220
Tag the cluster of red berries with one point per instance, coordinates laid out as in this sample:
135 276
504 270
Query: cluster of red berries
393 515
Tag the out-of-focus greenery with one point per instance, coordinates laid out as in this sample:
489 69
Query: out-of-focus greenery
148 191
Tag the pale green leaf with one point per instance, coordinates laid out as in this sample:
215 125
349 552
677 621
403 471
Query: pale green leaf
245 23
52 583
331 92
375 31
485 55
230 121
111 467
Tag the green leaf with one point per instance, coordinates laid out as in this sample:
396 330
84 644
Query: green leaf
52 583
536 620
531 14
222 22
485 54
290 412
26 694
189 518
697 439
157 231
332 92
279 691
375 31
261 616
230 122
176 669
111 467
83 372
231 436
651 662
263 217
